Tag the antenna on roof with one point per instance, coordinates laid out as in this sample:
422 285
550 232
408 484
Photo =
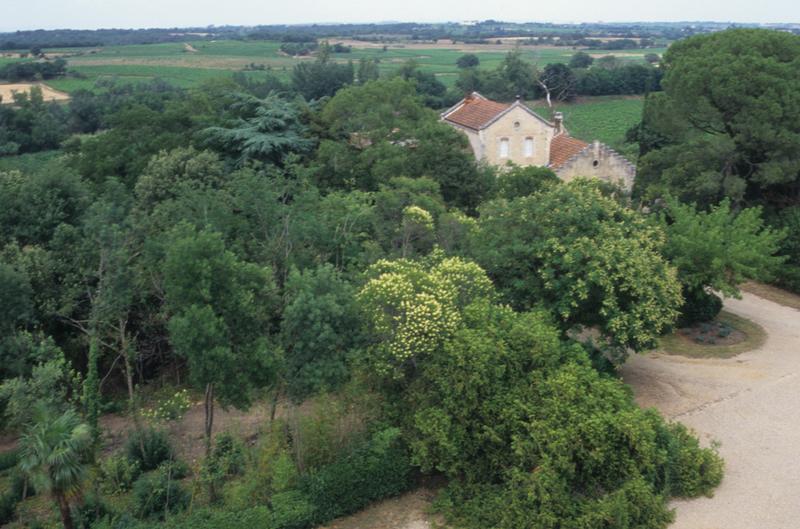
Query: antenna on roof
519 97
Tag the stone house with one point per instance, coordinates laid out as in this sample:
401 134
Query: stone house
500 133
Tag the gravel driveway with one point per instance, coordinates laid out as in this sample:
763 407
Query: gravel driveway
751 405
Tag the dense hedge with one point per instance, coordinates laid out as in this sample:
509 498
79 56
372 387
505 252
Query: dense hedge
377 469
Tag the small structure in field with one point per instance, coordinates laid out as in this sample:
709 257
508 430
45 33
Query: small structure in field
500 133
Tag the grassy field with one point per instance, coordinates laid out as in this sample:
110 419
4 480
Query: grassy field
604 118
193 62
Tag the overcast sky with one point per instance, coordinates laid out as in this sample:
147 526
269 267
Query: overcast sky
91 14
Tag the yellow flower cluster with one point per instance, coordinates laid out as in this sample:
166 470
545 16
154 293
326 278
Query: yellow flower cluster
170 409
414 308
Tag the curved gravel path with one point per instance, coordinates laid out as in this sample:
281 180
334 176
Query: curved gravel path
751 405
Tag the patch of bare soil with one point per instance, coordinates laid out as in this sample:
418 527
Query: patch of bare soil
187 433
189 48
7 92
409 511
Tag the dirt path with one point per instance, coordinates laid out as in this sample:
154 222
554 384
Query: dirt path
408 511
749 404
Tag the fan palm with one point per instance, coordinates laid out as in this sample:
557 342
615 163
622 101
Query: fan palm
53 450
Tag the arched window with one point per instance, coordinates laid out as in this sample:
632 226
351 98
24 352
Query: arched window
504 147
528 147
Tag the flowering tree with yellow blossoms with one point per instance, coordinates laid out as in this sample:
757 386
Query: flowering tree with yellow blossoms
412 307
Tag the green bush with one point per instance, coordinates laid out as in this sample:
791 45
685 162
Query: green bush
157 448
86 514
175 469
155 495
8 459
13 495
377 469
292 510
691 470
227 457
253 518
117 474
699 306
788 275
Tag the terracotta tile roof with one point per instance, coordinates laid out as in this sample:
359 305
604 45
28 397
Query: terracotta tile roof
564 147
476 112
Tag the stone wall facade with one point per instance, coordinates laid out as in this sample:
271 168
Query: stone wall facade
599 161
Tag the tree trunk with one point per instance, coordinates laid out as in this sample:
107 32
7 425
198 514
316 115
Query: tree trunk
133 408
91 387
63 507
209 424
209 405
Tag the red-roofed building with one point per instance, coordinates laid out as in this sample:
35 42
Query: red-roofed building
500 133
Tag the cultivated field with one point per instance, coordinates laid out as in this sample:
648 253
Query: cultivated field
192 62
604 118
7 92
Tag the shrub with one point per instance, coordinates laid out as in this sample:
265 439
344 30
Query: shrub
155 444
228 455
117 474
175 469
691 470
699 306
8 459
253 518
377 469
11 497
155 495
87 514
292 510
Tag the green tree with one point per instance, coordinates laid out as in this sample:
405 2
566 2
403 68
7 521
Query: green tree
737 95
221 311
375 111
52 456
51 382
558 82
468 60
466 379
318 330
523 181
367 70
427 85
411 308
581 60
718 249
265 130
587 258
321 78
17 305
168 172
33 205
518 75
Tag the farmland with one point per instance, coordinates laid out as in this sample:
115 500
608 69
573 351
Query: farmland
190 63
600 118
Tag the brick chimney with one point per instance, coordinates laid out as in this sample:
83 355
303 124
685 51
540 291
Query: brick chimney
558 121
